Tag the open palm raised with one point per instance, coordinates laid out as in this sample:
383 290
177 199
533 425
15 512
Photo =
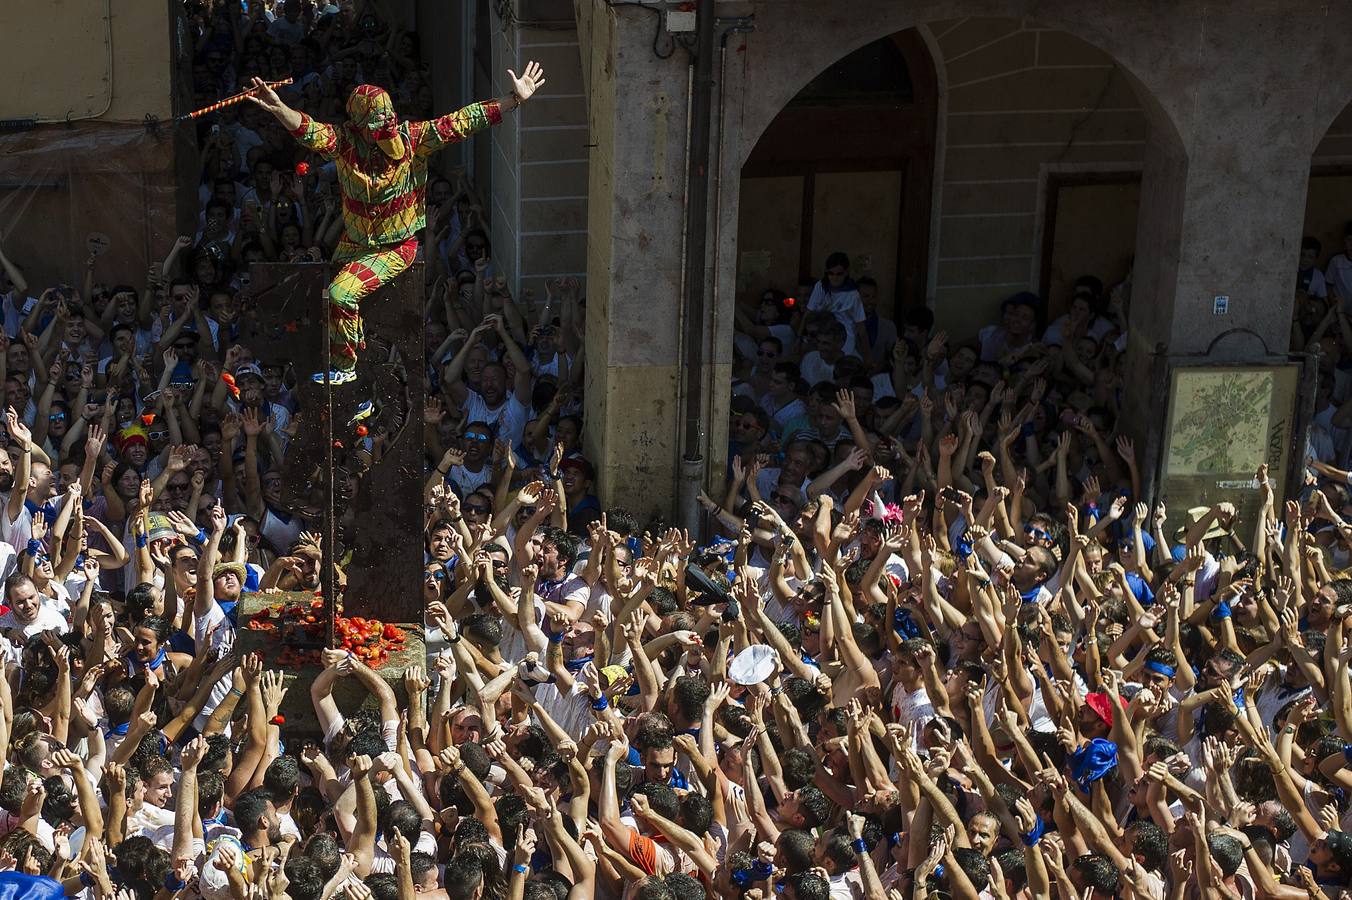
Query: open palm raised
532 78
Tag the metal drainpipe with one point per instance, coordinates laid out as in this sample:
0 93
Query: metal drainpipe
739 25
697 243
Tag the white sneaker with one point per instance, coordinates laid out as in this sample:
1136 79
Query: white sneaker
334 376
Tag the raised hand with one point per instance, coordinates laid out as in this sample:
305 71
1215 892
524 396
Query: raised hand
532 78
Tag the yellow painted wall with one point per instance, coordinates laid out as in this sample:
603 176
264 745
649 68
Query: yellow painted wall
55 61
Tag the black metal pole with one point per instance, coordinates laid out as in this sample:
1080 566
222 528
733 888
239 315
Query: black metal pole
697 245
330 536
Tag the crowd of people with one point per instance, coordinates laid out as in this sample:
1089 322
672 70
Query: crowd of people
935 642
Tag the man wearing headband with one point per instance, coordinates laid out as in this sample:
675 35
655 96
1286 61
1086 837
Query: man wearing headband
382 172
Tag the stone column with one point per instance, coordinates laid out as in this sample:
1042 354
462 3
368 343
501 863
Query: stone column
638 126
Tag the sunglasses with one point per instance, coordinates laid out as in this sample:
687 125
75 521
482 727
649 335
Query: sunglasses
158 435
767 354
783 498
56 417
477 510
836 273
475 436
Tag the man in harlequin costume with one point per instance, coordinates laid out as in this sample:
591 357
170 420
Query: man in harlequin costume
382 172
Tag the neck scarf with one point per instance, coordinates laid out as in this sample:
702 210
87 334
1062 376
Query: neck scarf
136 667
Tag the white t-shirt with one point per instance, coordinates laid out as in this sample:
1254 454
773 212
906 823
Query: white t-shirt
18 531
510 416
467 482
224 639
49 618
844 305
816 370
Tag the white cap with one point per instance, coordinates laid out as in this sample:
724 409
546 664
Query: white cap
753 665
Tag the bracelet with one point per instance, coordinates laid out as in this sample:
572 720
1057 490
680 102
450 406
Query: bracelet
517 867
452 640
859 846
455 773
278 720
440 472
236 691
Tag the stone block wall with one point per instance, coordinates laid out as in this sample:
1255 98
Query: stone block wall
539 159
1020 103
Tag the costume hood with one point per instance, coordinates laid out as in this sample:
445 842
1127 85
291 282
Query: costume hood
371 113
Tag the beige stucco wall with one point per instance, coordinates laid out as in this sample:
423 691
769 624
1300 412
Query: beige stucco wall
55 62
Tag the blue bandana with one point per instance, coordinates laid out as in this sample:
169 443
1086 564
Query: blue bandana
577 665
904 625
1092 761
1160 668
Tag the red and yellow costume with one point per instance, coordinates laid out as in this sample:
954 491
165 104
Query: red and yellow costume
382 173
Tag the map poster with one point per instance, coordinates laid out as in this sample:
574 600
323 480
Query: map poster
1223 423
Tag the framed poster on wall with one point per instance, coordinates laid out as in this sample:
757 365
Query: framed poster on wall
1223 422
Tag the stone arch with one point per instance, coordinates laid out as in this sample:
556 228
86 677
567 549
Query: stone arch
769 84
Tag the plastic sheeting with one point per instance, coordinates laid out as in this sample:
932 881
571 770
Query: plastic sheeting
61 184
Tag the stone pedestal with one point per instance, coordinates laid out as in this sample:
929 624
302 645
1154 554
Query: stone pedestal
348 693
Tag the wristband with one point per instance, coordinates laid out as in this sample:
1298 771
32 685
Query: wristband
555 638
554 476
1347 753
859 846
762 870
141 541
517 867
278 720
86 880
201 538
173 883
1222 611
34 546
601 703
237 692
1032 837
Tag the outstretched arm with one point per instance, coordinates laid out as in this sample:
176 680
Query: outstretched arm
267 98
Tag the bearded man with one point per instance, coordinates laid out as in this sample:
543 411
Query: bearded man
382 172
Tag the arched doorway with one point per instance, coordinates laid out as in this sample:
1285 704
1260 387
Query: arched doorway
848 162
